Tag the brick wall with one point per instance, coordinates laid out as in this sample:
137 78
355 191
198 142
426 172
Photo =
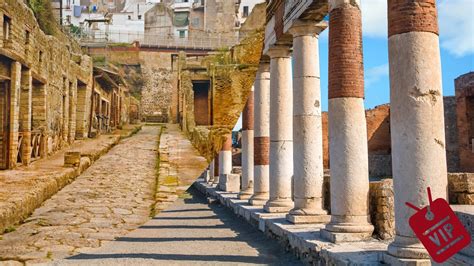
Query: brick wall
465 120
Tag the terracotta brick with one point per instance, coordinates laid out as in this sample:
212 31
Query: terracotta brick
261 150
247 114
412 15
346 68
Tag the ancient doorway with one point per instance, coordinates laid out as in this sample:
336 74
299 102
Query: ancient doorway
201 103
4 123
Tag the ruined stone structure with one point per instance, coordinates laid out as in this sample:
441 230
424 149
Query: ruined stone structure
110 102
407 136
47 90
465 117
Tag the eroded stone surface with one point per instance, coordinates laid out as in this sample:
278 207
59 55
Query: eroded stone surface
110 198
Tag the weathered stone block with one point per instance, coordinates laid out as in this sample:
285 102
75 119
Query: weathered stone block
72 159
466 199
229 182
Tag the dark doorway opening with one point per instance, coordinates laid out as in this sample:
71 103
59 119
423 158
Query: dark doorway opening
202 110
4 123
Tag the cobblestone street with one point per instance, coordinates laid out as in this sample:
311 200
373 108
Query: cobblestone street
110 198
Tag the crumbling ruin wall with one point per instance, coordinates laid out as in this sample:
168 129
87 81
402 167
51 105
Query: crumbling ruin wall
56 66
465 120
156 93
461 188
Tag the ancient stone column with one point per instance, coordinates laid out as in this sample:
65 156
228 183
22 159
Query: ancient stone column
416 117
347 126
262 136
211 171
225 160
281 130
307 125
247 148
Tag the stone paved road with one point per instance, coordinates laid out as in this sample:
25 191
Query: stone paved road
110 198
190 232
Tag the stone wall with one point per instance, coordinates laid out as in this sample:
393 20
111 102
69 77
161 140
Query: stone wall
461 188
156 92
451 129
382 216
55 80
465 120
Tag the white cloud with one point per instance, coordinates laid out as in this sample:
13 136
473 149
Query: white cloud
374 18
456 23
456 26
374 74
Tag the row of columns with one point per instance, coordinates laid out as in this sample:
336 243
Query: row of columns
287 167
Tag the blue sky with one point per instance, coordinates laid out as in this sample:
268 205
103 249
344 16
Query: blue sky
456 22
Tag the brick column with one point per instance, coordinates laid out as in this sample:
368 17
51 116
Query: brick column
15 85
281 132
307 125
347 126
25 114
225 160
247 148
416 117
262 136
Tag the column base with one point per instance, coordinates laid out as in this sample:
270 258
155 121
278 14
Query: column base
392 260
407 248
245 195
278 206
229 183
340 237
258 199
308 219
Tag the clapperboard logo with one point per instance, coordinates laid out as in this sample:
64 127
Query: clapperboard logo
438 229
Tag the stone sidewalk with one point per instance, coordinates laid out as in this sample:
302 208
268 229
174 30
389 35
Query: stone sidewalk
190 232
23 189
107 200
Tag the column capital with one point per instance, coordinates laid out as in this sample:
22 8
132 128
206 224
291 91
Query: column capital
279 51
307 28
264 66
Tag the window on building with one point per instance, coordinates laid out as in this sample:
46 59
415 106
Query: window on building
182 34
40 56
246 12
6 27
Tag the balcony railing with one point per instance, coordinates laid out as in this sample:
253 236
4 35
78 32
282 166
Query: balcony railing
101 38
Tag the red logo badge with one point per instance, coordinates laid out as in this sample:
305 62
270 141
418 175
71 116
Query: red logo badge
439 229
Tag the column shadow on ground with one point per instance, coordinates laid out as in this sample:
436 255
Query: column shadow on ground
269 250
